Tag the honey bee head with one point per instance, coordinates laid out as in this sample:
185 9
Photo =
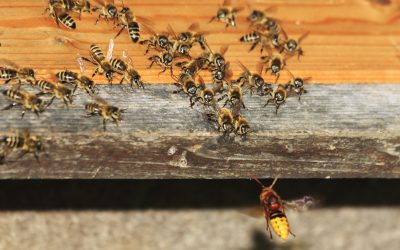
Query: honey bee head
135 79
279 97
276 66
219 75
124 10
29 73
163 41
275 40
291 45
244 128
255 15
222 13
208 96
227 125
116 113
258 80
219 60
36 144
112 11
270 23
87 81
191 88
109 75
298 84
167 58
184 36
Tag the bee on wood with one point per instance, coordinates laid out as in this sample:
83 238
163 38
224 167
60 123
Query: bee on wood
106 10
26 100
12 72
274 62
206 96
224 120
179 48
266 40
254 81
129 21
226 14
296 84
192 67
156 41
292 46
102 62
193 35
215 60
221 76
257 16
101 108
131 75
279 96
23 142
57 10
234 96
274 210
56 90
163 59
241 126
78 80
186 84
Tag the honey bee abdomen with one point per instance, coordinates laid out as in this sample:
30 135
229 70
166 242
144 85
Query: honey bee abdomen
14 142
67 20
134 31
251 37
96 53
279 224
67 76
6 74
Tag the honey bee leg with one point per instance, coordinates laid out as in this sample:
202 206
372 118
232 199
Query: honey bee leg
253 46
75 88
277 107
95 72
192 101
212 19
123 27
98 19
152 62
8 81
165 69
222 97
10 106
265 105
243 105
104 125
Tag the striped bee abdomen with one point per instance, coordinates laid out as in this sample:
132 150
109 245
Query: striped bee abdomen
67 20
134 31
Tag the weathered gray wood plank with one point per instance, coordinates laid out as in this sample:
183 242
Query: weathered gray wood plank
334 131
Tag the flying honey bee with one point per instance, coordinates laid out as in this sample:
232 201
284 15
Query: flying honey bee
193 35
254 81
26 100
224 120
296 84
156 41
24 142
131 75
292 46
106 10
101 62
226 14
57 10
107 112
56 90
11 71
279 96
129 21
186 84
274 210
275 62
164 60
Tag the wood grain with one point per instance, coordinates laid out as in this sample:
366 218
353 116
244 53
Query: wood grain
354 41
334 131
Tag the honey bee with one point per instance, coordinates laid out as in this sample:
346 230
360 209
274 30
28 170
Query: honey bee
264 39
296 84
57 10
12 71
275 62
78 80
254 81
192 67
206 96
26 100
56 90
106 10
186 84
156 41
23 142
102 62
226 14
234 96
193 36
131 75
179 48
257 17
128 20
279 96
107 112
163 59
274 209
221 75
292 46
224 120
215 60
241 126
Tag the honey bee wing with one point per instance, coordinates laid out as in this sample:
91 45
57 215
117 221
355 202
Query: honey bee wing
101 2
244 68
100 100
228 71
237 9
148 30
7 63
127 58
80 62
143 20
284 34
224 49
110 50
259 68
303 36
171 31
307 79
194 26
226 3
